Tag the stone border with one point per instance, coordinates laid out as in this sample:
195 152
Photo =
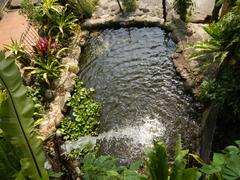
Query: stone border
183 34
64 86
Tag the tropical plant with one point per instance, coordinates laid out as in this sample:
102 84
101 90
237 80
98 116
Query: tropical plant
63 25
53 18
181 7
42 14
157 164
34 93
44 70
85 113
17 49
224 165
105 167
224 40
3 96
83 8
129 5
48 47
16 123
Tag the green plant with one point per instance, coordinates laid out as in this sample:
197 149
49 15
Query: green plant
34 94
17 49
3 96
42 14
63 25
83 8
87 148
129 5
105 167
85 112
157 164
224 40
224 165
16 121
181 7
53 18
44 70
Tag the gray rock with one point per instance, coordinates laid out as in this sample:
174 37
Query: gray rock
202 10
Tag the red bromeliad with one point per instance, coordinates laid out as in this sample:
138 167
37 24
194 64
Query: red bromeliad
46 46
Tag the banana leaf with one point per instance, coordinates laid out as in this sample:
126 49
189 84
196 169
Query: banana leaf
17 124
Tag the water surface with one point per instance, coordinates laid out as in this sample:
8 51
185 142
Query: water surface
143 97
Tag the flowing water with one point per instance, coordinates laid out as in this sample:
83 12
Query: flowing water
143 97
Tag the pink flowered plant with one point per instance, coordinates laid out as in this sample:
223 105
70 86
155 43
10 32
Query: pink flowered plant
46 46
42 45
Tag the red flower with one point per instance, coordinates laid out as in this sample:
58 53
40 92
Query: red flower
42 45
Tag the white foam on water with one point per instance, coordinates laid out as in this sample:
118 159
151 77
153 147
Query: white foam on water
136 135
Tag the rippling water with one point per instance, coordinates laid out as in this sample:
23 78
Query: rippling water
143 97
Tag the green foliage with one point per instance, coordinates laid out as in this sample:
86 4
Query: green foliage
34 93
44 70
129 5
181 7
224 38
3 96
63 25
224 165
87 148
83 8
52 17
158 162
225 90
210 91
157 165
42 14
106 168
16 48
16 122
85 111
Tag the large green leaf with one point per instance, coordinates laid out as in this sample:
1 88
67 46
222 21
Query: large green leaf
17 123
158 162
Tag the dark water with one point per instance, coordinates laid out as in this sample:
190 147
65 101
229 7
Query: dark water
143 97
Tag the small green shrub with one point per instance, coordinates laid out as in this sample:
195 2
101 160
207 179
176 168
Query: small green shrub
85 111
157 164
105 167
83 8
181 7
43 70
225 165
129 5
34 93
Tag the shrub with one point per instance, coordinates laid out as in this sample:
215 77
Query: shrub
181 7
83 8
129 5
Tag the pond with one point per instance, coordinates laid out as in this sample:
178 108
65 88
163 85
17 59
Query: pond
143 97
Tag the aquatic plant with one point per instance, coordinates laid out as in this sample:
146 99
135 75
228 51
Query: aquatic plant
85 112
